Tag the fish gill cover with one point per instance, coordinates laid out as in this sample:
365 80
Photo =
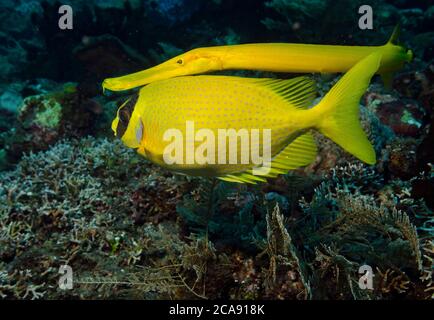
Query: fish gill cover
72 194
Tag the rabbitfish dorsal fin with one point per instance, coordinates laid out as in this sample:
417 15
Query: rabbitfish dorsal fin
298 92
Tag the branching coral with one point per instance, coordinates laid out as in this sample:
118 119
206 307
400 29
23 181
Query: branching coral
349 223
71 204
229 215
282 253
165 266
359 212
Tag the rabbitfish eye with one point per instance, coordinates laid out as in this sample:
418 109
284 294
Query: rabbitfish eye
124 116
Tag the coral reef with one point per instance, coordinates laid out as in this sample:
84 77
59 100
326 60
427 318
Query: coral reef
71 195
92 204
55 205
41 120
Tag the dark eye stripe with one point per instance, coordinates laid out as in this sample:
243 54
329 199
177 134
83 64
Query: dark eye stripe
124 115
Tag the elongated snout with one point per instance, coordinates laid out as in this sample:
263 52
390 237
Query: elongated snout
195 61
162 71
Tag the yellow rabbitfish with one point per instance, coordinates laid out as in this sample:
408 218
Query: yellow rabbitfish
221 102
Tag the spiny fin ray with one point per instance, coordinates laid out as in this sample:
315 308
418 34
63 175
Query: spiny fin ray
298 92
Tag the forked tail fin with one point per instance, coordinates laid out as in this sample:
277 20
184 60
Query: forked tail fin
405 56
387 77
338 111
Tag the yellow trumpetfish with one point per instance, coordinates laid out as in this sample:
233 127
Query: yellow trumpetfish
221 102
276 57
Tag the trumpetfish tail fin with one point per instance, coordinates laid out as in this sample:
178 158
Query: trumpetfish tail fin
387 77
406 55
338 111
394 38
